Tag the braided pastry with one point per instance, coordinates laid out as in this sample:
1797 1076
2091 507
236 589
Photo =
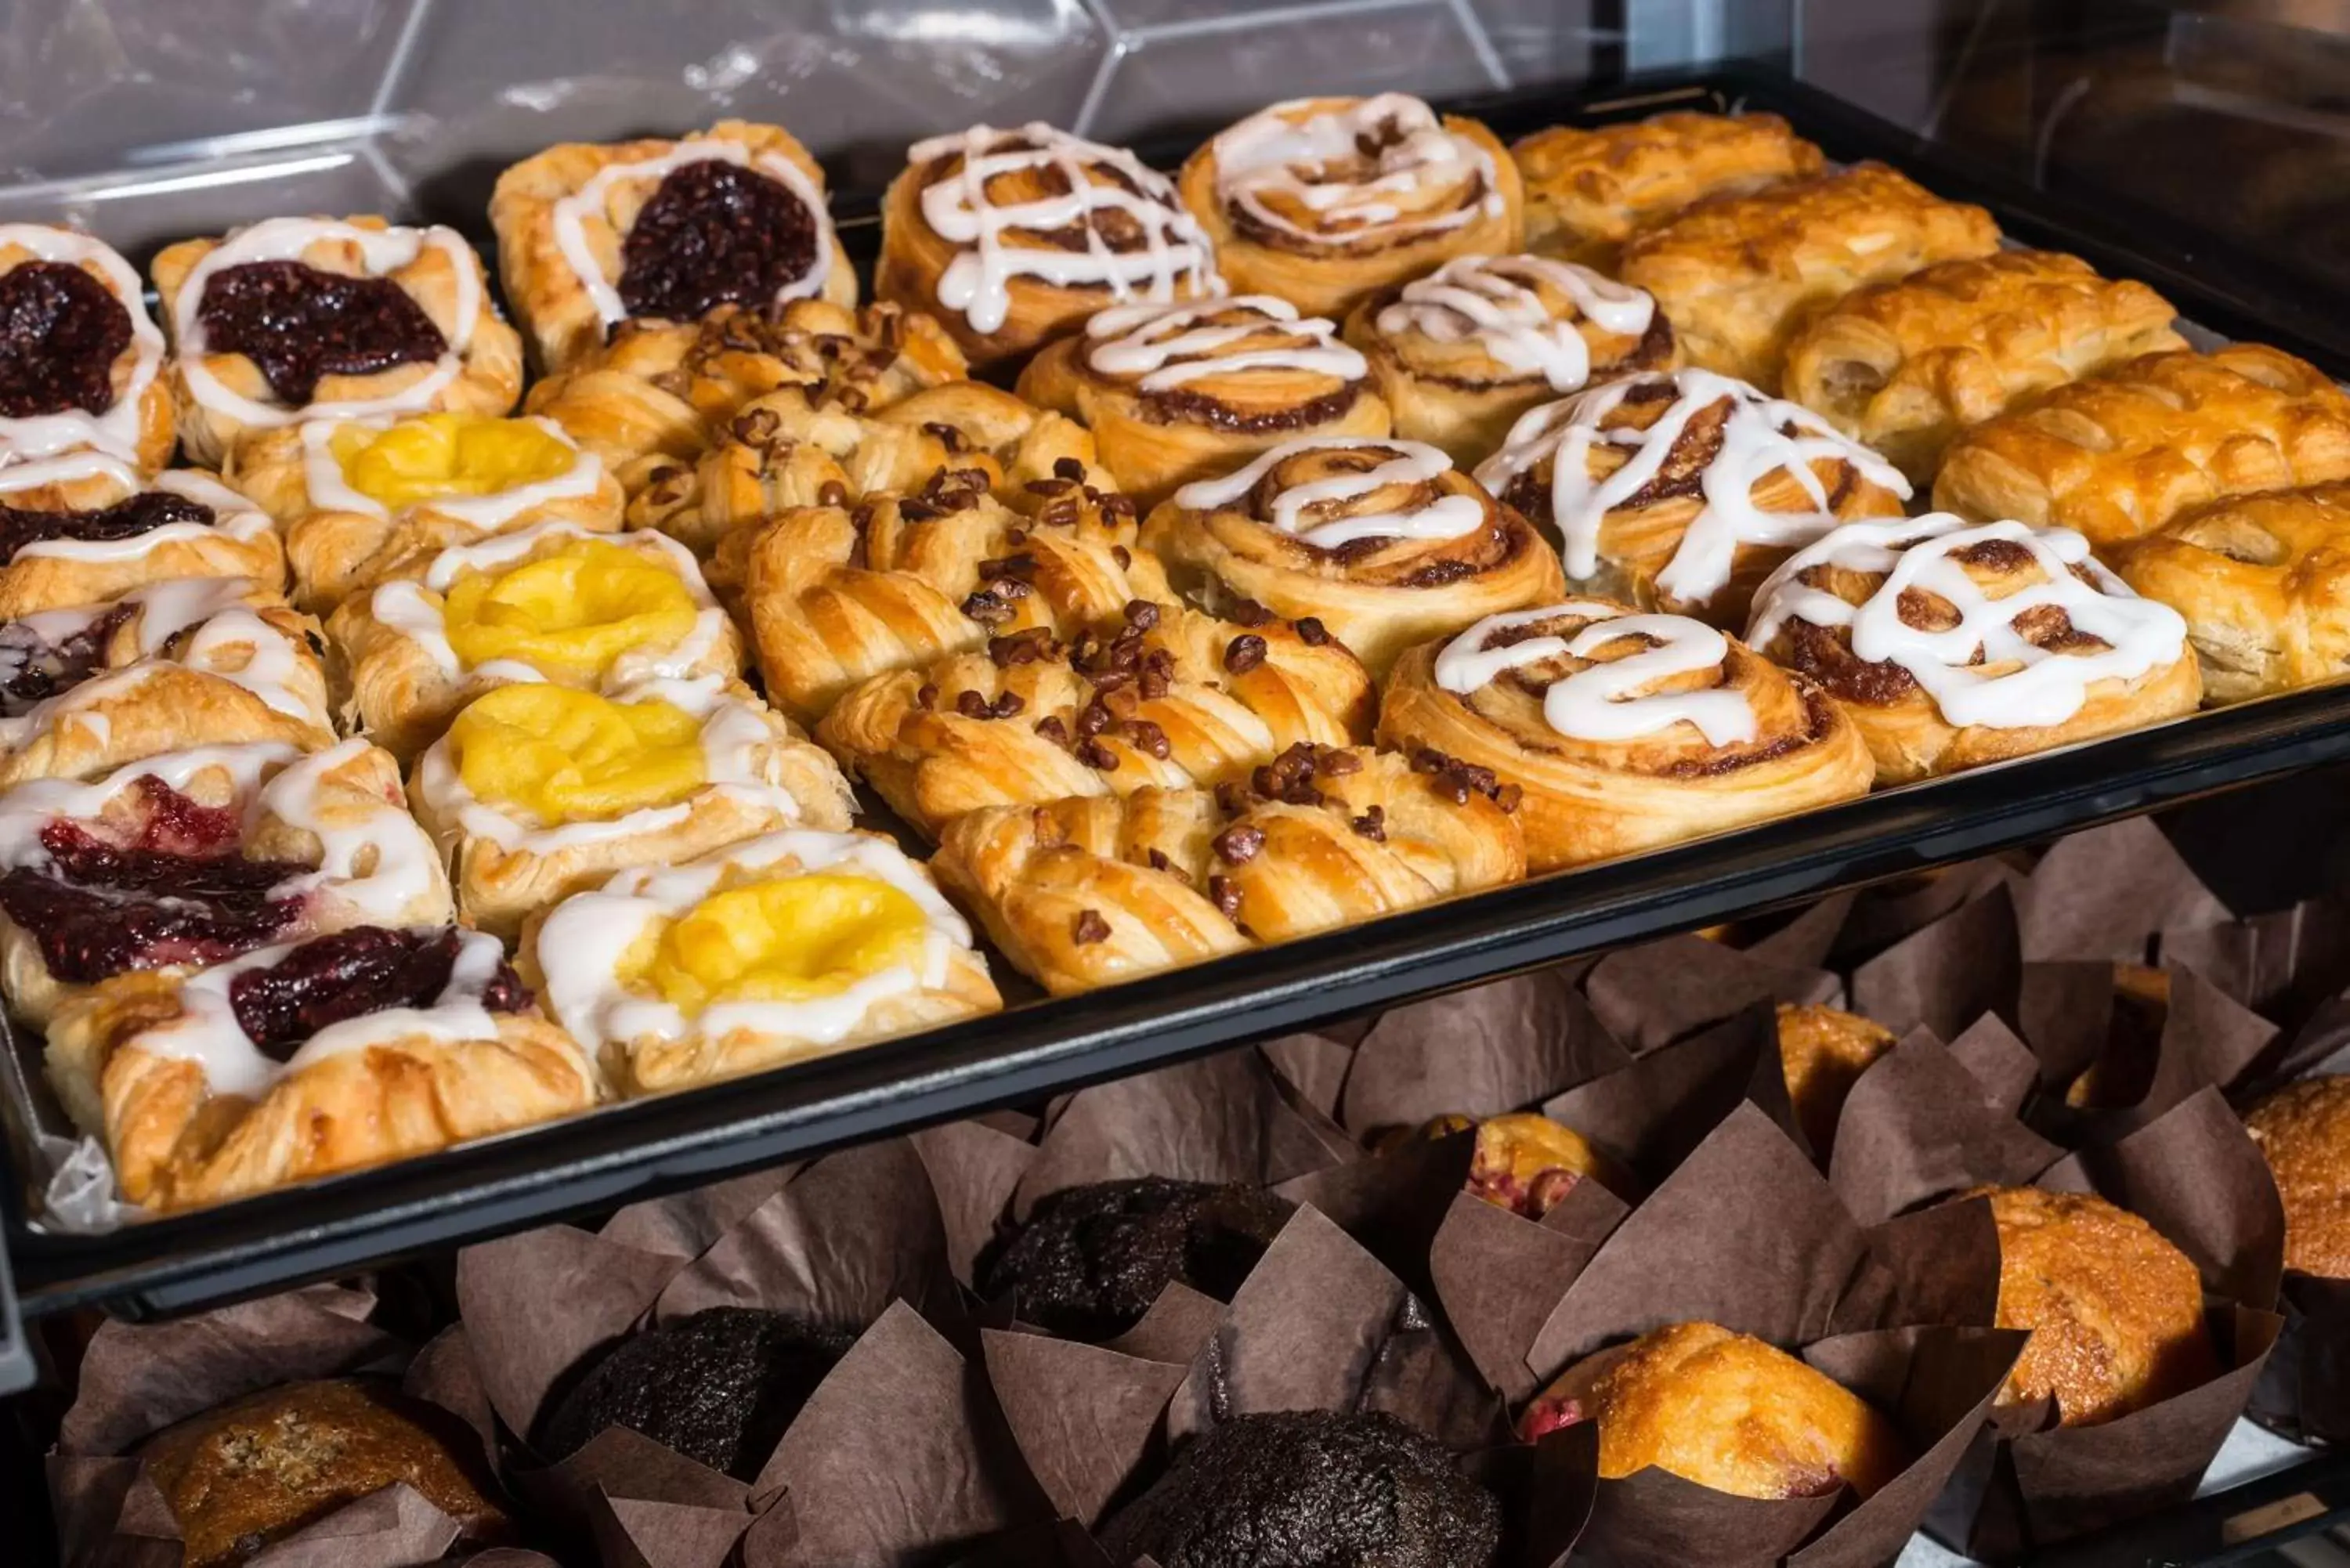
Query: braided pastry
85 359
1589 191
83 527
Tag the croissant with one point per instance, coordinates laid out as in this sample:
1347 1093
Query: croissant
1589 191
83 527
92 378
1087 891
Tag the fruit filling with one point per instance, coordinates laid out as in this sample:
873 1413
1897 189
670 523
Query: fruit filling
435 456
61 332
126 519
561 755
36 662
715 233
297 323
568 614
349 974
791 939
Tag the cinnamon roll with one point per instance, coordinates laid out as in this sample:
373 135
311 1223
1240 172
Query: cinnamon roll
1624 730
591 237
1462 352
1015 236
1953 644
1323 201
1381 543
81 362
1589 191
1178 392
83 527
1680 492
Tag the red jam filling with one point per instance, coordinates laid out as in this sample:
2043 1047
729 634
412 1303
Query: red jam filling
349 974
297 323
714 234
61 332
1544 1416
33 669
126 519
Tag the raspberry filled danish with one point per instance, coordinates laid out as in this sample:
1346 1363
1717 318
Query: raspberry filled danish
81 362
83 527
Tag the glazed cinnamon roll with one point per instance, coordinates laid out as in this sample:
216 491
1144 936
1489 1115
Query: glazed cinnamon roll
1624 731
1014 237
1953 644
1178 392
1681 491
1589 191
1323 201
83 528
1382 543
81 362
1465 351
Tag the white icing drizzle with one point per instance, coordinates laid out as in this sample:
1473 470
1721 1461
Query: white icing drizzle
1760 436
582 942
330 491
2046 688
1268 154
30 807
1605 702
1494 302
1449 516
570 215
116 431
380 250
233 515
1159 346
959 210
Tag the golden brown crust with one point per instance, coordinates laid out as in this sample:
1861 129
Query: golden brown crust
156 422
1824 1052
1526 1163
1589 191
2303 1129
53 574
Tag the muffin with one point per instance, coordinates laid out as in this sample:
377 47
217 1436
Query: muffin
1824 1052
1527 1163
1724 1410
1092 1258
718 1388
2124 1069
2116 1311
1310 1488
250 1473
2305 1131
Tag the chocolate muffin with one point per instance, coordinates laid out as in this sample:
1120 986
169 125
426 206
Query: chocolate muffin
1310 1488
718 1388
1091 1260
2304 1130
250 1473
1823 1052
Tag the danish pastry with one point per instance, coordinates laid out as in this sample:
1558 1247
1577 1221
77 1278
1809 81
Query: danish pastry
1382 543
1175 698
1739 275
359 497
83 527
1178 392
1014 237
1624 730
297 1061
551 602
1906 365
1084 892
1461 353
196 856
81 362
1952 644
1589 191
303 318
1681 491
2119 454
590 237
541 791
1323 201
780 949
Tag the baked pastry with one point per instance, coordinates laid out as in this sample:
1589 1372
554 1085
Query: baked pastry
550 602
197 857
1527 1163
591 235
1724 1410
1590 190
1310 1486
81 362
294 1061
1089 1260
1178 392
1461 353
1739 275
1175 698
1085 892
719 1386
1623 731
302 318
2303 1129
539 791
241 1477
2123 1071
661 392
205 661
84 528
1952 644
359 497
2263 582
2119 454
836 595
2116 1311
1822 1052
1906 365
1014 237
1323 201
1383 544
773 950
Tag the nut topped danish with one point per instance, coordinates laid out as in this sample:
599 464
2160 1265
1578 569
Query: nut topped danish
590 237
1953 644
83 527
81 362
1589 191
